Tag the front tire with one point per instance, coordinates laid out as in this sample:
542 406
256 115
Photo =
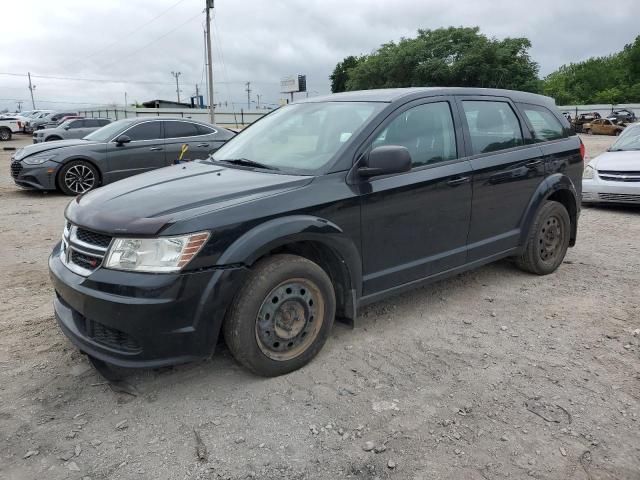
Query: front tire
77 177
5 134
282 315
547 241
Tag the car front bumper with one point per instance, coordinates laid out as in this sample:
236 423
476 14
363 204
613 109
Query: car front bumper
35 177
597 190
139 319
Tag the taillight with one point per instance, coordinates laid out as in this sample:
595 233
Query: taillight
583 151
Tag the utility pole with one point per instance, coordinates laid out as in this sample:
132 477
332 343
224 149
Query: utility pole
31 89
212 115
19 103
125 99
258 96
177 74
248 84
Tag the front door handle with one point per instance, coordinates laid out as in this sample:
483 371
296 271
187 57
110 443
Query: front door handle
202 145
454 182
533 164
155 149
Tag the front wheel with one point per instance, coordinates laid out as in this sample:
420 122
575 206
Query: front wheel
5 134
548 240
77 177
282 315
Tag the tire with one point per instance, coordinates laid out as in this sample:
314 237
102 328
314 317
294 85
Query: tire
547 241
5 134
618 132
282 315
78 177
52 138
588 131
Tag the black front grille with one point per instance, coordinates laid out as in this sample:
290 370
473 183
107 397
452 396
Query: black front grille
16 168
85 261
93 238
618 176
111 337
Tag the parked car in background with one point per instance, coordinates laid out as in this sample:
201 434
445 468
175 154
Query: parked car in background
583 118
9 126
36 119
113 152
614 176
318 209
622 116
53 119
73 128
602 126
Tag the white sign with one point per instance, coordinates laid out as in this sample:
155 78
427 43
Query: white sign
289 84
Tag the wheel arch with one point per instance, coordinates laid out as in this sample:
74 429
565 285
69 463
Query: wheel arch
91 161
559 188
51 138
314 238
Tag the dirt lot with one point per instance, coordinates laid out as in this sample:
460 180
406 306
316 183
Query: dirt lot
492 374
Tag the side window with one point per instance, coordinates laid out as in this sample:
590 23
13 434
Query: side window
90 123
492 126
544 123
204 130
101 123
180 129
144 131
76 124
426 130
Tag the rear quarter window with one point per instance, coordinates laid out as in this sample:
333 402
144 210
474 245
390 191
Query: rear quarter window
545 125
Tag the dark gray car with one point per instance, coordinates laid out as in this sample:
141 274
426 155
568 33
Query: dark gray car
115 151
75 128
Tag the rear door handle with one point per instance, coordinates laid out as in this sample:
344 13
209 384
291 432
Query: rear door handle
155 149
533 164
454 182
202 145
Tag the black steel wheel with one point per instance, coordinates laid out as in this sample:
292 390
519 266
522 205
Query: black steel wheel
78 177
282 315
547 241
5 134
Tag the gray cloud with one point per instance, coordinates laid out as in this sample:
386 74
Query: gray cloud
260 41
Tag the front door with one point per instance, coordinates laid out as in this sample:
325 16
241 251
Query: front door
507 169
143 153
415 224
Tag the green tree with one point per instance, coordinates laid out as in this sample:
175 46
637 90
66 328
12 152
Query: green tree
454 56
341 74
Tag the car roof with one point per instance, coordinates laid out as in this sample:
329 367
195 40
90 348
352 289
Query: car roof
390 95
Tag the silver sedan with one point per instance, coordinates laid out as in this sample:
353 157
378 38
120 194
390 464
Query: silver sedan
614 176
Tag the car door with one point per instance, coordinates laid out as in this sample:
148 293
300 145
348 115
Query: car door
415 224
507 168
178 133
143 153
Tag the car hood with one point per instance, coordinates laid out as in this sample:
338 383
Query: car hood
144 204
618 161
43 147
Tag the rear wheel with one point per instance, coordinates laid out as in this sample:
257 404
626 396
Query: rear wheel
5 134
548 240
282 315
588 131
77 177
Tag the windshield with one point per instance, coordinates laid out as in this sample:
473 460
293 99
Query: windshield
301 138
628 140
107 132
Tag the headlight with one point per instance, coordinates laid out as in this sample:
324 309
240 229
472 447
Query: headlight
162 254
589 173
39 159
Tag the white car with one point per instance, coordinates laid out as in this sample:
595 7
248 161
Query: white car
614 176
9 126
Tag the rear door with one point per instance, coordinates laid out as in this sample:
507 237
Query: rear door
415 224
178 133
507 169
143 153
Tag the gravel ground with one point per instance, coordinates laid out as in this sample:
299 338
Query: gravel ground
492 374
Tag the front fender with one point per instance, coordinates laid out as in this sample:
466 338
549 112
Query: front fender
282 231
551 185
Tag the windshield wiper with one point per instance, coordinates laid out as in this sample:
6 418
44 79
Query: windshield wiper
248 163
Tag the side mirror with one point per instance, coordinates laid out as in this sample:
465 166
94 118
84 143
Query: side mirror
385 160
122 139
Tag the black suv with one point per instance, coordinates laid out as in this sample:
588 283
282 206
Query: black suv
315 210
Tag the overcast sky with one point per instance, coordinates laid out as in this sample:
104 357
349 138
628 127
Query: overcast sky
132 46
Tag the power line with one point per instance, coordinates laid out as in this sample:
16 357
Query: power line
135 30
